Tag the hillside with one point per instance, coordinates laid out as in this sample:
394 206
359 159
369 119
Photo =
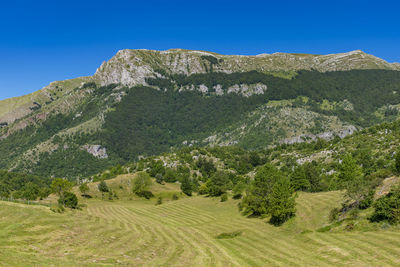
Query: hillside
144 102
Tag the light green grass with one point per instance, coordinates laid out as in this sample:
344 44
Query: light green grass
183 233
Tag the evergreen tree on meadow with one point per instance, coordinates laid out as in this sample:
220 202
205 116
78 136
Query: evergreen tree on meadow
186 186
282 203
270 194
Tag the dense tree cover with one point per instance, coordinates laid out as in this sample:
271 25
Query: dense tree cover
378 88
24 186
66 160
148 122
152 121
70 163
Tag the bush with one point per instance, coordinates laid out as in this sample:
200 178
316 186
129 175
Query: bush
203 189
224 197
103 187
220 183
57 208
159 201
84 188
238 190
367 201
354 213
334 214
145 194
69 200
175 197
387 208
229 235
141 182
159 178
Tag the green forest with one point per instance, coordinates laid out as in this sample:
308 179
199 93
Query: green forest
149 121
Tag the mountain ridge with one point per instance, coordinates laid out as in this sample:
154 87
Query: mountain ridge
131 67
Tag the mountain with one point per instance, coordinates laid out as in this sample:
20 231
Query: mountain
144 102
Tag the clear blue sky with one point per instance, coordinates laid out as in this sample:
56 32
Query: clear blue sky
44 41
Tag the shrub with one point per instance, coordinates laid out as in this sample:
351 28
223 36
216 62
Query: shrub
57 208
203 189
84 188
103 187
238 190
220 183
175 197
69 200
229 235
367 201
159 178
224 197
387 208
145 194
141 182
159 201
334 214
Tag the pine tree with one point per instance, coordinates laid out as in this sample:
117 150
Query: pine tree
349 170
281 201
299 179
186 185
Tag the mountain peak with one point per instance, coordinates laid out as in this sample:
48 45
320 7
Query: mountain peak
132 66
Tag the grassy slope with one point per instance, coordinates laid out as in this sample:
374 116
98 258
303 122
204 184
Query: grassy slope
18 107
182 233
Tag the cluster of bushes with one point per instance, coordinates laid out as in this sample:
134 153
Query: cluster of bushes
23 186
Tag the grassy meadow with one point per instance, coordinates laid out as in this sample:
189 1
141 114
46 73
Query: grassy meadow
190 231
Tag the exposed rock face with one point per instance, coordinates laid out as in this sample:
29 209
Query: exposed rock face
325 135
131 67
97 151
248 90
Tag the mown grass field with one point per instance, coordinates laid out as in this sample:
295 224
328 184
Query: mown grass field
135 232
